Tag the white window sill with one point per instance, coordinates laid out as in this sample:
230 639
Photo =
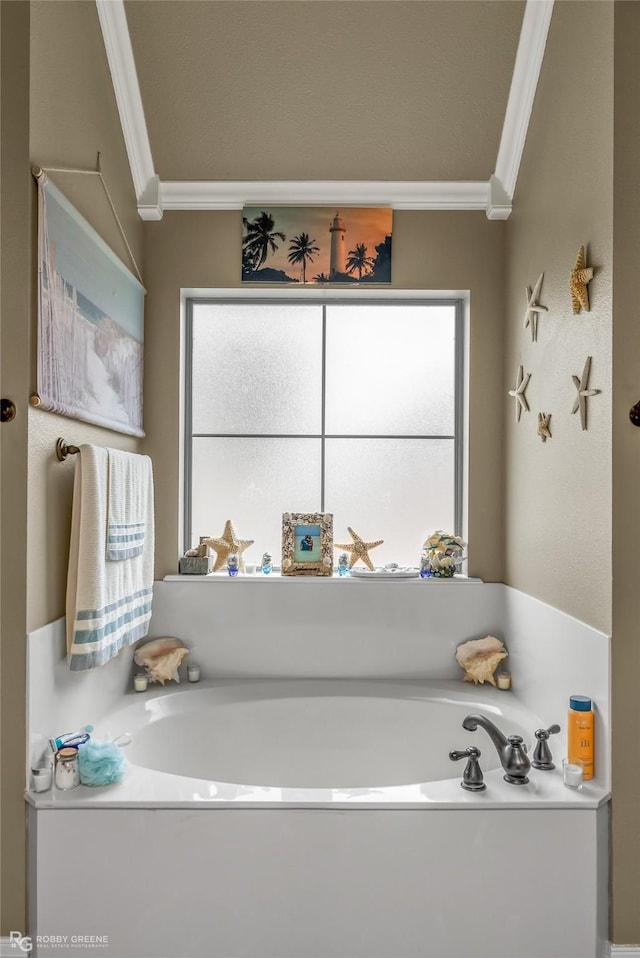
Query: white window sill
277 577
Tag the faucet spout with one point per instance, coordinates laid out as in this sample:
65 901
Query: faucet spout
511 750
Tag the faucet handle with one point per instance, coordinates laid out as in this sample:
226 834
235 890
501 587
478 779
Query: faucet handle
542 757
472 775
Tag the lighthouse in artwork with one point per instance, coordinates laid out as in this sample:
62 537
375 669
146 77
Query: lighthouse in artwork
337 261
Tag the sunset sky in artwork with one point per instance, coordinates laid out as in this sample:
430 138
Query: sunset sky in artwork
368 226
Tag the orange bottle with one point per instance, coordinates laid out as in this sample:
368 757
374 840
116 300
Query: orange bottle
580 733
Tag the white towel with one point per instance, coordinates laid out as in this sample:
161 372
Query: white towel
109 599
127 497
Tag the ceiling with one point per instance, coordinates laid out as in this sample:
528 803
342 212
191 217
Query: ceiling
401 102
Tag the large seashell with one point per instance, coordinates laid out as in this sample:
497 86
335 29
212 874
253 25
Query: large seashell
480 658
161 658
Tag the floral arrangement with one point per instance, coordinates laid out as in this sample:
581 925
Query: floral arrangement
443 552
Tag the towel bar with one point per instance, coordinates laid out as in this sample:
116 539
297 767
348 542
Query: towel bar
63 450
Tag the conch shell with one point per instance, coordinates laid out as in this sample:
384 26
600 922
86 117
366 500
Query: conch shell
161 658
480 658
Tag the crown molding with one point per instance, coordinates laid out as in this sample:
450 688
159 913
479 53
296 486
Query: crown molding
494 197
117 43
526 72
499 205
402 195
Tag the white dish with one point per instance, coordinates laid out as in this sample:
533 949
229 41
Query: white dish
400 573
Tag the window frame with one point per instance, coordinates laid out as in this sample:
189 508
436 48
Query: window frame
329 297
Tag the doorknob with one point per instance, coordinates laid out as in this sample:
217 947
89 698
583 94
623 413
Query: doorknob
7 410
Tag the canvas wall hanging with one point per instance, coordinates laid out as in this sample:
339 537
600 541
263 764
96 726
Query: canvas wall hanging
316 245
90 321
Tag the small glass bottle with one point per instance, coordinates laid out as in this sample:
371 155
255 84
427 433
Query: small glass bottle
425 567
140 681
67 773
267 564
233 563
343 563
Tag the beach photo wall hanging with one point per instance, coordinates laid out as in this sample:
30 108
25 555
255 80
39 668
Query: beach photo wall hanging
90 321
316 245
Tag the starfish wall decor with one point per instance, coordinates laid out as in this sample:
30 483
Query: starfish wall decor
531 315
227 544
518 392
583 392
544 429
580 276
358 549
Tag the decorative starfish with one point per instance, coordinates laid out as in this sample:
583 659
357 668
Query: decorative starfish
531 315
580 276
518 392
584 392
359 549
226 544
544 430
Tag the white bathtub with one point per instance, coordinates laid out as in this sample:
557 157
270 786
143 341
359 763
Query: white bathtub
322 819
313 734
317 742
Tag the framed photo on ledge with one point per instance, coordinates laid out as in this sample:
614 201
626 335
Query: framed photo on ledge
307 543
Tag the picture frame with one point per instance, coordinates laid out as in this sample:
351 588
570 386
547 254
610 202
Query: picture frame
90 321
307 543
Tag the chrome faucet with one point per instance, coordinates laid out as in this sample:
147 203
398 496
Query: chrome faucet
511 751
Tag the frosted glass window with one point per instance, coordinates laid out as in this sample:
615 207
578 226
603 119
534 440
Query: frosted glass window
252 482
399 490
390 370
344 407
257 369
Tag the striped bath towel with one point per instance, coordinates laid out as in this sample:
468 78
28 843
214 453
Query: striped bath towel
110 579
127 497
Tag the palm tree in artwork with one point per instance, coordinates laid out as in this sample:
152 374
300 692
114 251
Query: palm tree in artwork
260 239
301 250
357 259
321 278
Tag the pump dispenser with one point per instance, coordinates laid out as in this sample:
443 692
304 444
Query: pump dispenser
580 734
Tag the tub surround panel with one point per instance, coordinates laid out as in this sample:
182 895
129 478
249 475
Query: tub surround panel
369 872
376 887
553 656
329 628
59 700
389 629
332 629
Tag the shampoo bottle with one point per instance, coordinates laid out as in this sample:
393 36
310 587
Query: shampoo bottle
580 733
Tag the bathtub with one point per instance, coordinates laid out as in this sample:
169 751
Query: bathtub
316 741
321 819
333 736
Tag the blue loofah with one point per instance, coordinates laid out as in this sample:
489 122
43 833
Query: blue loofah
101 763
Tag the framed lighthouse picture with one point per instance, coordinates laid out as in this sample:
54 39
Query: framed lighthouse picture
316 245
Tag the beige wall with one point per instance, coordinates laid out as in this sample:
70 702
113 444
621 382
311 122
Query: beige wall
571 513
73 117
558 494
450 251
555 526
58 109
626 470
325 91
15 271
